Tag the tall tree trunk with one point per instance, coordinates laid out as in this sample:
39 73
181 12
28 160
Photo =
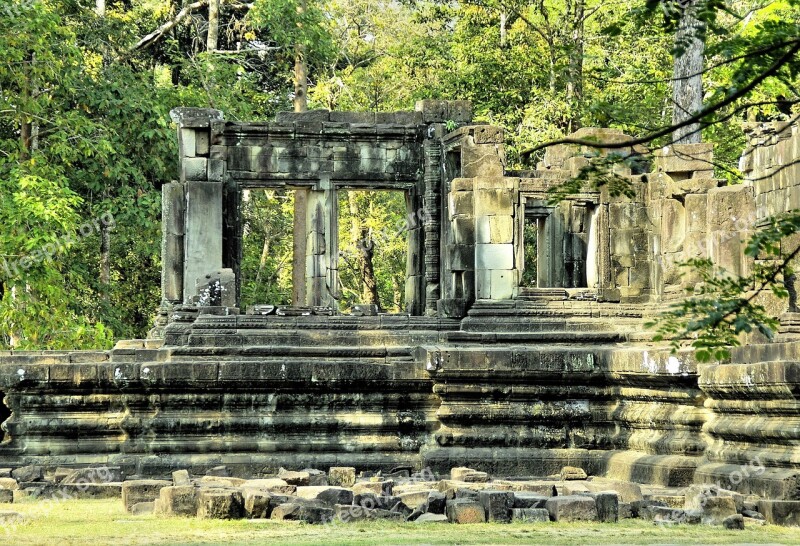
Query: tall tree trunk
100 8
300 79
687 85
503 31
361 239
575 69
213 25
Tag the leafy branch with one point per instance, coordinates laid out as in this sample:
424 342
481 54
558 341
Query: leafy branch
722 307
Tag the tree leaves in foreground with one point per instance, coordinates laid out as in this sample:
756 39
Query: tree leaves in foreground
722 308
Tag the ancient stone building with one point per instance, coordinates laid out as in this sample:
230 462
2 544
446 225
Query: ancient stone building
482 370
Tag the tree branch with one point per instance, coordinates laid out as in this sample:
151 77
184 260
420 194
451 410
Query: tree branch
157 34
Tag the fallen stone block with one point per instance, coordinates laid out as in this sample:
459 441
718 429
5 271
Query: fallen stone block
716 509
9 483
136 491
59 474
415 498
697 495
627 491
343 476
780 512
754 514
431 518
642 509
181 477
572 508
573 473
530 515
292 477
257 504
316 477
6 496
32 473
523 499
465 511
178 500
346 513
625 510
544 488
5 472
572 488
143 508
220 504
734 522
466 493
298 512
607 503
273 485
219 471
667 514
437 503
326 494
497 505
220 481
379 488
476 477
458 473
673 501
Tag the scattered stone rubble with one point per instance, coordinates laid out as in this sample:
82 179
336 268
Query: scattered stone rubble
342 495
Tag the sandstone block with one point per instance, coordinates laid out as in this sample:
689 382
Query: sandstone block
497 505
31 473
607 503
295 478
220 471
734 522
573 473
273 485
220 504
5 472
458 473
465 511
431 518
325 493
344 476
572 508
6 496
351 512
524 499
136 491
379 488
178 500
257 504
437 502
298 512
8 483
716 509
181 477
530 515
627 491
780 512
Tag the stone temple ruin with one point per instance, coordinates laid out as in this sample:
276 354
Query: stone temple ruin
481 371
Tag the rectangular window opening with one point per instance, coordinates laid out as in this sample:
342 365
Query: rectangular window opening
373 249
267 247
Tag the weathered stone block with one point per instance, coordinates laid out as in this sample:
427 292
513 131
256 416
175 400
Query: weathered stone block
465 511
27 473
436 503
194 169
489 256
607 503
530 515
379 488
220 504
257 504
135 491
716 509
431 518
181 477
780 512
572 508
6 496
524 499
9 484
734 522
180 500
298 512
497 505
344 476
101 474
327 494
573 473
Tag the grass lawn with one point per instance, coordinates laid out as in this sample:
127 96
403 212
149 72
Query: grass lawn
105 522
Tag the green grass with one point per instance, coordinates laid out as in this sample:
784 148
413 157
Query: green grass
105 522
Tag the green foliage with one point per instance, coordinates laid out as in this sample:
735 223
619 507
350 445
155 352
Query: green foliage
266 268
293 23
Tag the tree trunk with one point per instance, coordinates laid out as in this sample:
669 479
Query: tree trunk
100 8
105 258
575 69
366 253
213 26
300 79
503 31
687 85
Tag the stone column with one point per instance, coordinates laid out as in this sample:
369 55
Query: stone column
496 272
321 275
202 248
